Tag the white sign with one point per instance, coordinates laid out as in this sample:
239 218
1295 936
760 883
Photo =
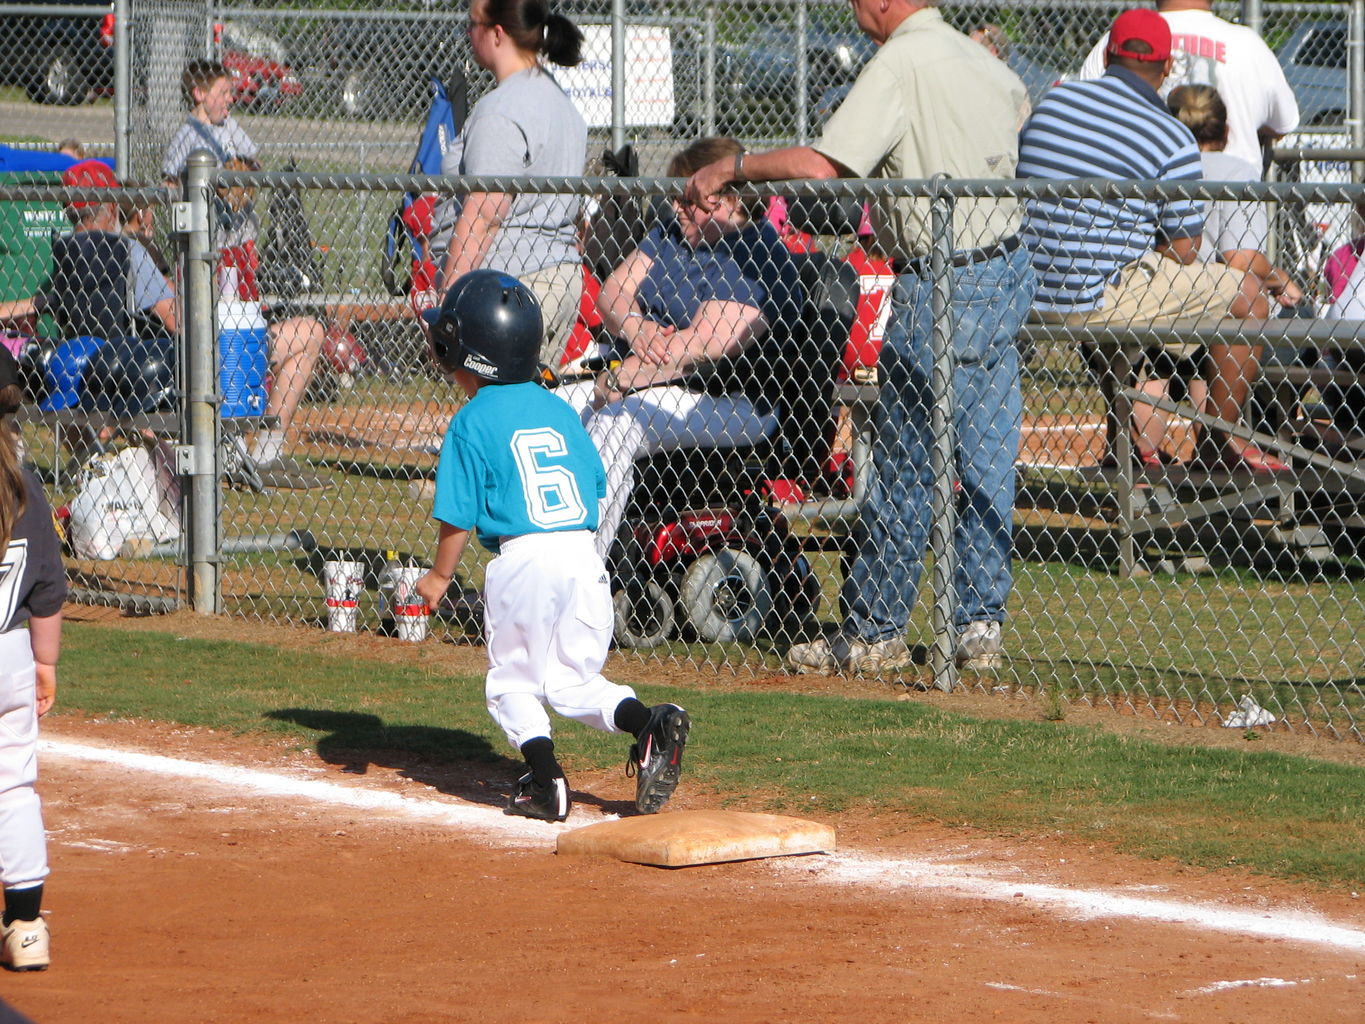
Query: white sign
649 76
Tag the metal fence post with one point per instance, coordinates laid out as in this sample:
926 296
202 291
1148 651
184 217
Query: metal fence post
942 459
618 74
802 71
123 129
200 404
708 80
1253 16
1355 69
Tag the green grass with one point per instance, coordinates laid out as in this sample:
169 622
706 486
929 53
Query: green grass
1290 817
1288 635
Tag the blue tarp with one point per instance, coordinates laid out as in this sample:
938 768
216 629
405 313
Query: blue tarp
15 161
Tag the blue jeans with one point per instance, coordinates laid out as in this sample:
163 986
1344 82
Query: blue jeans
991 301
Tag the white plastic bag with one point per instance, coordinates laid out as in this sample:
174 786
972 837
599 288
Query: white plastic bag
126 496
1248 715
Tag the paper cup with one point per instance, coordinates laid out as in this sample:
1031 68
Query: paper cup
344 581
409 610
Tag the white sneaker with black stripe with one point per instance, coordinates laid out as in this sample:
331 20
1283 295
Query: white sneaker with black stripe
25 946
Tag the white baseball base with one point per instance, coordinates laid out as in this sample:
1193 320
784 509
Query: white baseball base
684 838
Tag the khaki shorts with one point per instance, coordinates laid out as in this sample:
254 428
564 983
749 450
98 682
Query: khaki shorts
559 289
1159 291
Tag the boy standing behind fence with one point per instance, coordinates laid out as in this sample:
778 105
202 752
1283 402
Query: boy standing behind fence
296 342
518 466
208 92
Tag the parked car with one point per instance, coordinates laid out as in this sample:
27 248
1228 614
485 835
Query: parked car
67 58
1314 62
58 58
1038 66
756 80
766 66
259 64
377 68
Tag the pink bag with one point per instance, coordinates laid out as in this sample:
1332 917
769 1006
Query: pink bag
14 341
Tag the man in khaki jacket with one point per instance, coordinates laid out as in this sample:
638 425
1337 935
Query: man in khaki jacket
931 101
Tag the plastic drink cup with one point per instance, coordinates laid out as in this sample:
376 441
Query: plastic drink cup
409 610
344 580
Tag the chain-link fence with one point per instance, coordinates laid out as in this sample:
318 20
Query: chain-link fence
245 451
342 89
338 90
221 425
335 91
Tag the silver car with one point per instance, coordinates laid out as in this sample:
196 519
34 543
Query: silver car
1314 62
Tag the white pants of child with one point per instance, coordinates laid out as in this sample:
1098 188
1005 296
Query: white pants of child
23 846
548 622
659 420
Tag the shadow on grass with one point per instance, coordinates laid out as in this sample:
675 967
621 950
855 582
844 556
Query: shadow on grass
451 761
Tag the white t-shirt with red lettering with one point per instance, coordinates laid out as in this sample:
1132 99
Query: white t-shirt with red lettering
1235 61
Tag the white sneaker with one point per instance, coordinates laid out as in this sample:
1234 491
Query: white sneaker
979 648
25 946
847 654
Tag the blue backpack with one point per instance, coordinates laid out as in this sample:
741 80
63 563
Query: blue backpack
445 115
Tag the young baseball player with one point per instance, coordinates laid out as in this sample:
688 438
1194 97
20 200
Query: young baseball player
518 467
32 589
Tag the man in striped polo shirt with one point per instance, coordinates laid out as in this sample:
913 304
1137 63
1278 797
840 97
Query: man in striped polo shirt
1125 261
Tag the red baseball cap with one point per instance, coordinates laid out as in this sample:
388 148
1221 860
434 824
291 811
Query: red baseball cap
1141 24
88 174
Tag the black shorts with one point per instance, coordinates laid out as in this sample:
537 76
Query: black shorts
1159 363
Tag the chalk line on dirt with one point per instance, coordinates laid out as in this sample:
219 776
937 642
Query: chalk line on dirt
974 881
1223 986
844 868
492 824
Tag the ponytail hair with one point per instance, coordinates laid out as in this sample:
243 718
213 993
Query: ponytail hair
1200 109
563 41
532 27
13 496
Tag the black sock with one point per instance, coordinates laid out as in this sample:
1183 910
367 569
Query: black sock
631 716
23 904
540 758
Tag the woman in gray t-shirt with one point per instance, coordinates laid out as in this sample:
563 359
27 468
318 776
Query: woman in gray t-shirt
526 126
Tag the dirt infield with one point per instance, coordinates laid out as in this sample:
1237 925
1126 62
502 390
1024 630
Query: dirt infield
417 428
274 886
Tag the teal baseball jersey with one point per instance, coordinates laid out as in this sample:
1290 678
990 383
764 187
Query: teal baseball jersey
517 460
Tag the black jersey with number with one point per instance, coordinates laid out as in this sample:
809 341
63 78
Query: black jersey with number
32 579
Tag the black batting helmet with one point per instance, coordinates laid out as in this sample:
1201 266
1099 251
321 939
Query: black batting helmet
489 325
128 376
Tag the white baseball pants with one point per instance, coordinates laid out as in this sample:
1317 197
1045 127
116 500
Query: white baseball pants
548 623
23 845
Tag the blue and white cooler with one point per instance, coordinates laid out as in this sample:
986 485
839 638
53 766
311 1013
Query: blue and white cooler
242 357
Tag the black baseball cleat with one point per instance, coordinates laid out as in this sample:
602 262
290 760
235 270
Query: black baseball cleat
548 803
656 756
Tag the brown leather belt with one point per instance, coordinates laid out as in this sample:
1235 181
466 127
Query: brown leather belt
920 264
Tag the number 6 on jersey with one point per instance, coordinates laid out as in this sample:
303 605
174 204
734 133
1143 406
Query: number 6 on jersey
552 496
